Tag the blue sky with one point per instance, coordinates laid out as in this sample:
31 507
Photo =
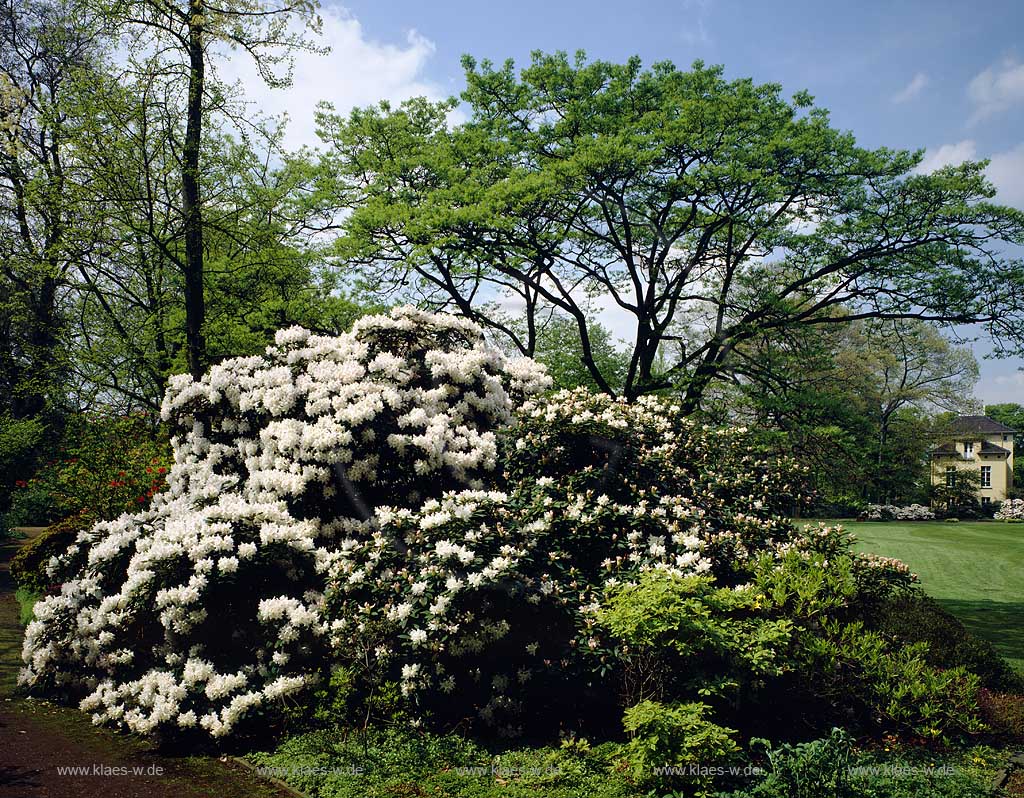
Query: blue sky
945 76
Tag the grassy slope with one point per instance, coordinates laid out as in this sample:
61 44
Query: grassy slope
976 570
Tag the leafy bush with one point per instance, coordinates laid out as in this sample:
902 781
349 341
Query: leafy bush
832 767
671 737
683 636
277 458
892 687
807 770
917 618
26 603
21 440
30 566
108 465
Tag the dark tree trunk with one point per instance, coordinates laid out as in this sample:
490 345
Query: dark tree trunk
195 305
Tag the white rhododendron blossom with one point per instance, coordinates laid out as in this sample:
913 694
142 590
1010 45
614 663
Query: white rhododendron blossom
209 606
493 596
1011 510
890 512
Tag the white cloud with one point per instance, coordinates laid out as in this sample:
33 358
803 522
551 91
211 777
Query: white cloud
997 388
911 90
1005 169
946 155
358 71
996 89
1007 172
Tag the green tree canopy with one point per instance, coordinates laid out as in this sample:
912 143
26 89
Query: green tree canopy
710 211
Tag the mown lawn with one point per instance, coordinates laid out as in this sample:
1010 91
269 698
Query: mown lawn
975 569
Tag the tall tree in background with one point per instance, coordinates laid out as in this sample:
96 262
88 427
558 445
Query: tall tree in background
676 196
49 54
856 402
261 272
905 370
188 36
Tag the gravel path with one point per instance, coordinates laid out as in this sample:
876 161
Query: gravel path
48 751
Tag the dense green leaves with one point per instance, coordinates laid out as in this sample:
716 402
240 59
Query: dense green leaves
707 211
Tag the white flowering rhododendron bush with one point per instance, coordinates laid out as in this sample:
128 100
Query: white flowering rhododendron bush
404 502
1011 510
484 603
207 608
892 512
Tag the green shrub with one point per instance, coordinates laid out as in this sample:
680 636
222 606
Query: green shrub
28 566
33 503
674 737
832 768
108 465
26 601
813 769
684 636
892 687
918 618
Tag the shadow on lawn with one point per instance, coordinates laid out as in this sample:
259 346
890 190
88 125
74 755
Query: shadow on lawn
999 622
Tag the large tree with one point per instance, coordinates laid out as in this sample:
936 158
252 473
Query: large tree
710 211
187 37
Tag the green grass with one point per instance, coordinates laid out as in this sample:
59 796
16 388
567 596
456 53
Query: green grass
26 602
973 569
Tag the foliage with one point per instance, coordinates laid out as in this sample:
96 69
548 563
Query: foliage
892 686
26 603
383 763
831 766
678 196
558 348
807 770
276 460
20 442
107 465
682 635
30 566
956 494
665 736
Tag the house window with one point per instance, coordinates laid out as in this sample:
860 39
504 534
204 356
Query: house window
986 476
985 501
1006 438
950 476
968 448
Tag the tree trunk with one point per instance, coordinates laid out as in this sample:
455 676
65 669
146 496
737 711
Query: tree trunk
195 305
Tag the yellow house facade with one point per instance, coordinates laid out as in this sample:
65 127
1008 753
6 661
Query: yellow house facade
979 444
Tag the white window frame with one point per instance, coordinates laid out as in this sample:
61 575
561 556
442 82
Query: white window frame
986 476
950 476
968 448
